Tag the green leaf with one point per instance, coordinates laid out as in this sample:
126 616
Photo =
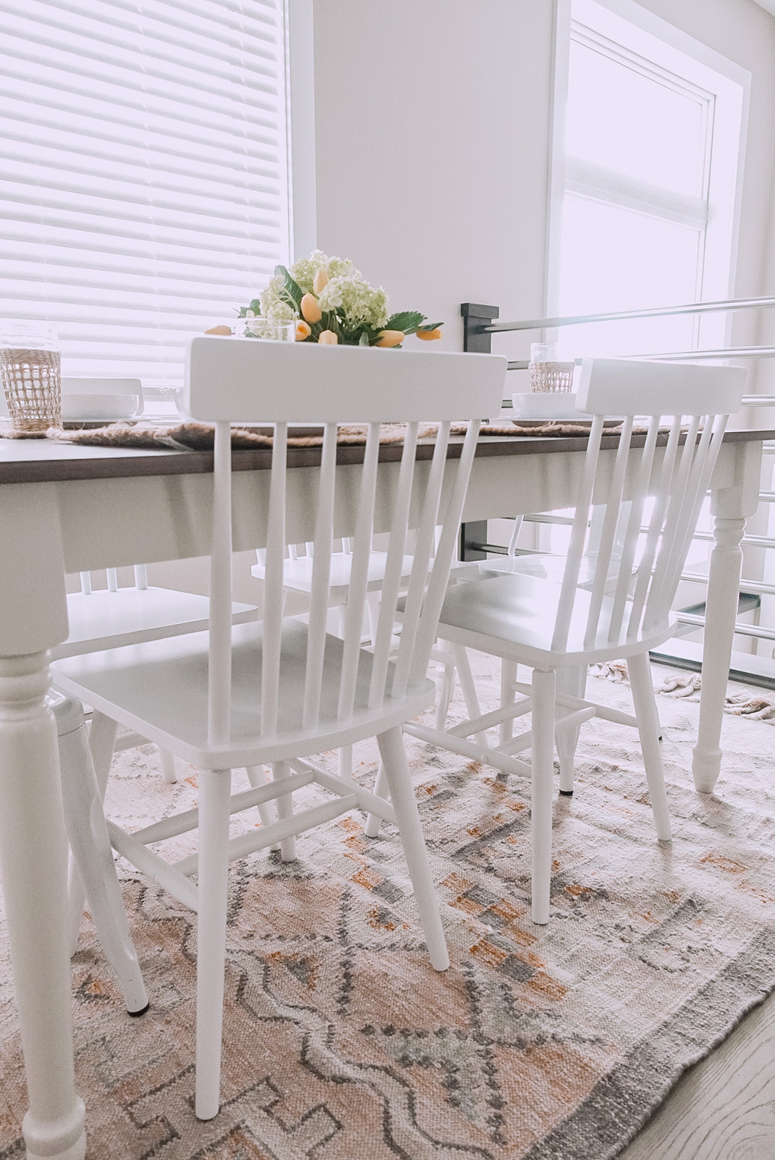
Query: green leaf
353 334
254 305
291 291
430 326
406 320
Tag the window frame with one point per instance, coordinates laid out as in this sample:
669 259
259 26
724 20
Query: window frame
700 71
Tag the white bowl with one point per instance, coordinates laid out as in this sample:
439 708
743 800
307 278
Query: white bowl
98 408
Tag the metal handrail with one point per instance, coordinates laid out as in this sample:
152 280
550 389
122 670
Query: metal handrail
678 356
756 630
757 587
654 312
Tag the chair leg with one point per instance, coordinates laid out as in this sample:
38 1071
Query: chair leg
543 770
374 821
102 740
168 770
468 687
93 857
391 748
214 800
344 761
445 684
571 681
639 671
266 812
284 807
508 677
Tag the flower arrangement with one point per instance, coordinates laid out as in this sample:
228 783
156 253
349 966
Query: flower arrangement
331 302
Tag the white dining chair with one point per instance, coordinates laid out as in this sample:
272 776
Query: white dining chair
284 689
606 606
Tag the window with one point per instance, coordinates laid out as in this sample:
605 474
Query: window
653 139
145 182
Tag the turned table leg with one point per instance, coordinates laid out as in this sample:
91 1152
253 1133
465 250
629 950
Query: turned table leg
33 867
730 506
33 850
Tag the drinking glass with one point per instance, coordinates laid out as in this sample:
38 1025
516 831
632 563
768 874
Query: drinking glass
30 370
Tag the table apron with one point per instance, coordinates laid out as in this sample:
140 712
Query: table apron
146 519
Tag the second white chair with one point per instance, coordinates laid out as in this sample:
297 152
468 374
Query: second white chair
620 608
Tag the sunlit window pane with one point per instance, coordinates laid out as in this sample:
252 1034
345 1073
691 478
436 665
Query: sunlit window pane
623 120
616 259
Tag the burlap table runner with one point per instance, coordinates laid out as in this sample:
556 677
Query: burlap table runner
188 436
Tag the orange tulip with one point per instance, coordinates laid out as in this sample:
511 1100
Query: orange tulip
219 330
310 309
390 338
320 280
429 335
328 338
302 331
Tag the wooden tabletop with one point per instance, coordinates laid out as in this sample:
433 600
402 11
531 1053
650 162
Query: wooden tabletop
48 461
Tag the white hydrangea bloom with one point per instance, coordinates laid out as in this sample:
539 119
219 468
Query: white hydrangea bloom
356 300
330 297
303 272
273 305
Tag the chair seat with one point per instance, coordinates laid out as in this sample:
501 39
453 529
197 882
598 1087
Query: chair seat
297 574
513 616
131 615
160 690
544 566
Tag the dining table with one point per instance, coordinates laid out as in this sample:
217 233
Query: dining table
66 508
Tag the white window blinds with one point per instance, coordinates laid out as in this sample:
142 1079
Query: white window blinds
144 185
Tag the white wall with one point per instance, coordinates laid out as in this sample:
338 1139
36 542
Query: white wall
432 128
431 136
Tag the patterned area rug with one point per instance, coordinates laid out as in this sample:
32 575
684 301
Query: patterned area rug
341 1042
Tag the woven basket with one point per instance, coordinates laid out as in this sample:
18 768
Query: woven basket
551 376
32 386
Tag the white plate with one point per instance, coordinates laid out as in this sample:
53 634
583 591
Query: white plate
536 407
98 408
549 406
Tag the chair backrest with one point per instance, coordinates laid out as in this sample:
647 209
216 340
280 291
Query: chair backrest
635 572
246 380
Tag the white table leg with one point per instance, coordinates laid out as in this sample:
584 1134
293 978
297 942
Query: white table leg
33 850
730 508
33 867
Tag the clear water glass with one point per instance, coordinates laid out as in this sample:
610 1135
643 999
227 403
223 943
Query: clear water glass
269 329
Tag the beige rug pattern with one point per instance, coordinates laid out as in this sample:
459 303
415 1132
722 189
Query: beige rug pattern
341 1042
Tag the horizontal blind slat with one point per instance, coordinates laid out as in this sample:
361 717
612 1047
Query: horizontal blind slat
47 24
186 91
